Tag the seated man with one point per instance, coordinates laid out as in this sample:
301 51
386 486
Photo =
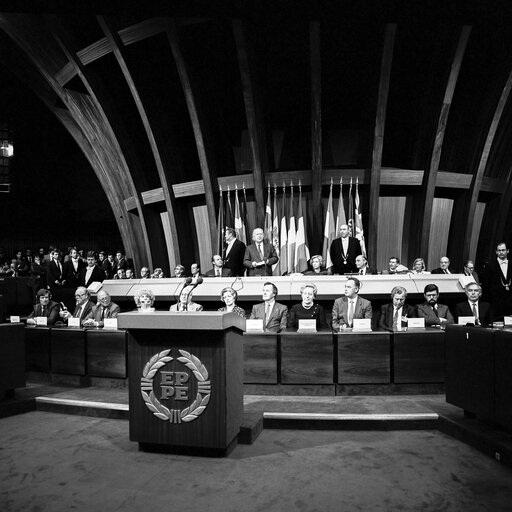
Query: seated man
185 303
83 307
195 270
104 308
394 316
351 306
218 269
433 313
444 264
474 307
394 267
91 273
130 274
363 268
45 307
179 271
144 273
273 314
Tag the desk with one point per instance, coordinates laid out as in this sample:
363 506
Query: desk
12 356
68 350
37 348
503 377
106 353
260 358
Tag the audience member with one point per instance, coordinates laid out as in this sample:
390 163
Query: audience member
474 306
363 268
218 270
44 307
105 264
317 266
234 253
444 264
350 307
394 316
72 268
259 256
83 307
158 273
130 274
104 308
469 270
54 274
273 314
144 299
185 303
229 297
22 266
91 273
144 273
120 274
179 271
344 251
394 267
433 312
307 309
119 263
37 277
419 267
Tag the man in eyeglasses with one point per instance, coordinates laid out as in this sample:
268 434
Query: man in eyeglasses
83 306
435 314
104 308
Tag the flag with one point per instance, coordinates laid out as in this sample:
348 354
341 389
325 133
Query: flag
340 218
283 239
292 232
350 213
220 227
230 222
329 233
359 222
301 242
268 218
275 231
239 225
243 212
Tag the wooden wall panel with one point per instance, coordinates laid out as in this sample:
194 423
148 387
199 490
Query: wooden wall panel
166 224
203 238
439 230
390 235
475 233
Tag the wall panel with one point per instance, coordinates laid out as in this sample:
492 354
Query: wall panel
391 227
439 230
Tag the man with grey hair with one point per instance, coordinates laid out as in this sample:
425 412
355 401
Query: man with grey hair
394 316
480 310
444 266
104 308
83 307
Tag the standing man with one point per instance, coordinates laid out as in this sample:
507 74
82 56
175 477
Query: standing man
344 251
54 273
72 268
351 306
433 312
394 316
104 308
120 263
259 256
218 269
444 264
235 252
83 307
474 306
91 272
497 282
273 314
363 269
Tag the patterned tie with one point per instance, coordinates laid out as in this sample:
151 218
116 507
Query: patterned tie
260 251
475 313
395 319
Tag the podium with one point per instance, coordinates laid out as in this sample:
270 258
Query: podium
185 380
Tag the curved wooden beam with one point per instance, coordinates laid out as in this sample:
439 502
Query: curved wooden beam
119 53
255 122
430 177
378 139
476 182
206 162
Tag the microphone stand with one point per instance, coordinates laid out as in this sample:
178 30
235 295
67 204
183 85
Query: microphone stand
185 282
198 281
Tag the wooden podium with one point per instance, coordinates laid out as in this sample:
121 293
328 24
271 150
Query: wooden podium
185 380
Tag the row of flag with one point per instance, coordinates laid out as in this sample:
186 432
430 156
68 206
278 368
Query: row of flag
286 226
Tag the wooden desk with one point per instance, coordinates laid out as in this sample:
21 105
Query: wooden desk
12 356
260 358
503 377
106 353
68 350
37 341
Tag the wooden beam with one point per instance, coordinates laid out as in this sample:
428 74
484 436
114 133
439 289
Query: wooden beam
206 161
316 132
430 177
119 53
476 182
378 139
255 122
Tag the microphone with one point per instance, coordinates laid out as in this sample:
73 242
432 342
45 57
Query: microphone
185 282
197 281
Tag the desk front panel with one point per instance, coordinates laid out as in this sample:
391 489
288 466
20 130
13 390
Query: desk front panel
12 356
37 342
503 377
106 353
68 350
260 358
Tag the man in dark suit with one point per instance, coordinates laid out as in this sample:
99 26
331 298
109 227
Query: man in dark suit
497 283
45 307
434 314
363 269
273 314
235 252
469 270
91 272
119 263
259 256
444 266
474 306
394 316
104 308
350 307
395 267
344 251
54 271
218 269
83 307
72 268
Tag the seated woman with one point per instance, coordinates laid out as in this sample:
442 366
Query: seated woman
418 267
317 265
307 309
229 296
144 299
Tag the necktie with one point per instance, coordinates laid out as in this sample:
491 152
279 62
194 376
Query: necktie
395 319
102 313
43 311
260 251
267 313
361 271
218 272
350 313
475 313
434 307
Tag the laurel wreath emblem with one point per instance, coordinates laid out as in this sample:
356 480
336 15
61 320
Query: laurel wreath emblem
203 389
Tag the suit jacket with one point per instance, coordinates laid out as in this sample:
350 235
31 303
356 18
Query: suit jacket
53 274
119 264
474 275
97 275
336 250
85 312
71 276
363 309
278 317
425 311
234 259
484 311
269 255
192 306
226 272
387 311
37 277
106 268
440 271
52 312
370 271
111 311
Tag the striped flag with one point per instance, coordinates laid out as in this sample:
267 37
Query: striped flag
301 242
275 231
292 232
340 218
230 221
329 233
268 218
243 213
239 224
283 239
350 213
220 226
359 222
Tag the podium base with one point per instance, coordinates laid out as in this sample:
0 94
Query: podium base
188 450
